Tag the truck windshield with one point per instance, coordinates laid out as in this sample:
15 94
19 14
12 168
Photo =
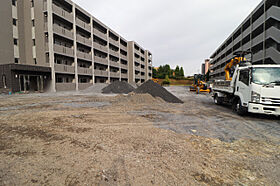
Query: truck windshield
266 75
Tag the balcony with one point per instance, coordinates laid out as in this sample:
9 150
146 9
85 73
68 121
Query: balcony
258 39
66 69
62 13
114 53
100 34
101 73
137 76
123 75
84 71
84 56
114 42
137 52
83 25
123 47
63 32
124 66
100 47
258 56
63 50
123 56
258 22
137 68
114 74
114 64
100 60
83 40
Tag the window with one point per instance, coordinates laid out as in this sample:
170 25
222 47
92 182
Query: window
59 80
34 42
14 3
33 22
244 76
32 3
14 22
15 42
35 61
16 60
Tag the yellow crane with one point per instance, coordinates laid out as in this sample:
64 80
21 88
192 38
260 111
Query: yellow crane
239 58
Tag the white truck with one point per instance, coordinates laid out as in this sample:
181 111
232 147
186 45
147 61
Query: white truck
253 88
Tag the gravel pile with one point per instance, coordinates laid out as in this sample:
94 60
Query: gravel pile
156 90
96 88
118 87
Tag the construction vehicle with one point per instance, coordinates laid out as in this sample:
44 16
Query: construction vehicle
249 88
199 84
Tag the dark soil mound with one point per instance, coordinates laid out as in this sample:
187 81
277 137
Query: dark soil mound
156 90
118 87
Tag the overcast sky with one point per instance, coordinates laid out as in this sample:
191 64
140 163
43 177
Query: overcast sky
177 32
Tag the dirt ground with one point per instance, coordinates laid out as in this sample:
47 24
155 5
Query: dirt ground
91 139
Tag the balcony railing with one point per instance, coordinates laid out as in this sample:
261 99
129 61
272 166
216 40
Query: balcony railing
124 66
123 47
102 73
83 25
85 71
112 52
84 40
100 47
114 64
64 68
63 50
100 60
123 56
83 55
114 42
62 31
62 13
115 74
124 75
100 34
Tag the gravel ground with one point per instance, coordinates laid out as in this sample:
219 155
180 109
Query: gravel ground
81 138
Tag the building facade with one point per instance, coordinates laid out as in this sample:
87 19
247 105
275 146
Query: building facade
56 45
259 33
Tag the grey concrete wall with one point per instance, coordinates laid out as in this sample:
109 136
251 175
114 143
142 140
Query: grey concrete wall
25 32
6 33
39 33
131 74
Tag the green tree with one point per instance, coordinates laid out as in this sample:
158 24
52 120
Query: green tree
166 81
177 72
181 74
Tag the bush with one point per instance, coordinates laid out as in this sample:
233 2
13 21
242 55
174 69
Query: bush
166 81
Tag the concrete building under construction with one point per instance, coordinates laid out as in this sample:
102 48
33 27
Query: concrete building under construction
259 33
56 45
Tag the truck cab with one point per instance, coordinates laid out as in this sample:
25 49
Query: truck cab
258 88
253 88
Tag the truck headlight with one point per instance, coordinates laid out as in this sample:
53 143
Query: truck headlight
255 97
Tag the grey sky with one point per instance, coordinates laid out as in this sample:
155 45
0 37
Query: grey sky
178 32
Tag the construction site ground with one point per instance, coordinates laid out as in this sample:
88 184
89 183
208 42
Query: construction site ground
76 138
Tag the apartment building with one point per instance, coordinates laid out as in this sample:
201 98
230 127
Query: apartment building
141 63
56 45
259 33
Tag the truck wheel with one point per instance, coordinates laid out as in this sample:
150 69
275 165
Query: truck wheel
217 100
238 108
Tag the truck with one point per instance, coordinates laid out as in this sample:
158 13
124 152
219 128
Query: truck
250 88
